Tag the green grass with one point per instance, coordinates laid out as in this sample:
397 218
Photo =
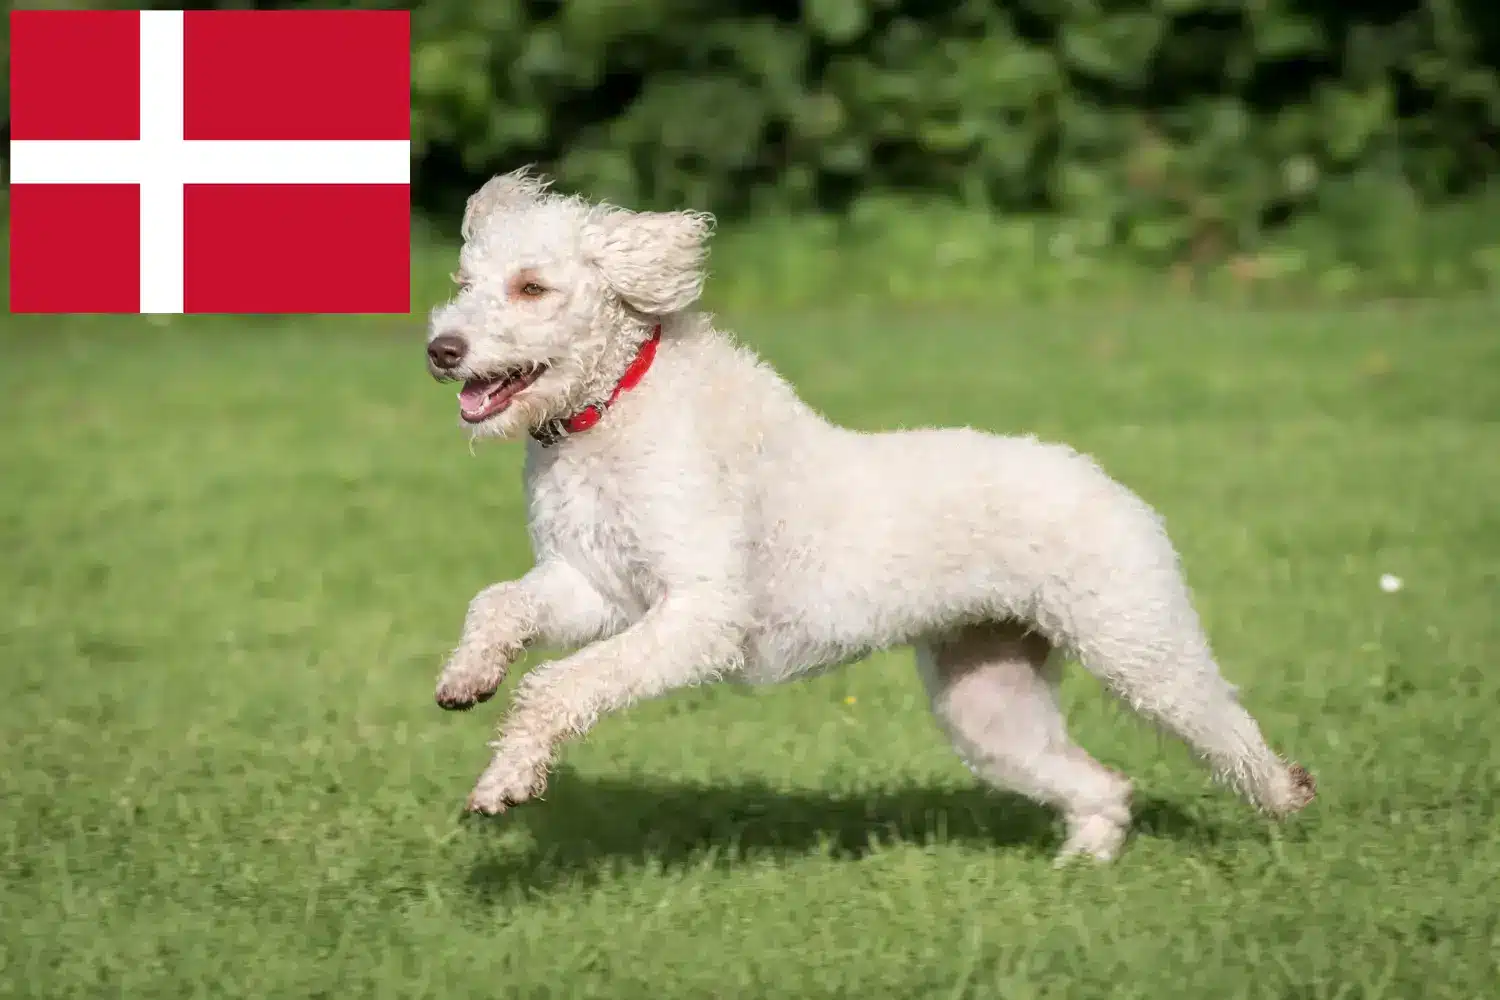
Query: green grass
232 556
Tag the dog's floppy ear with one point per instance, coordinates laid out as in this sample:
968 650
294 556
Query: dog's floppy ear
519 187
652 260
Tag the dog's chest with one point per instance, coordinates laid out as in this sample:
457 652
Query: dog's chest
579 513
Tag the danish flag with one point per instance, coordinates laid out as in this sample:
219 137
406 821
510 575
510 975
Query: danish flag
239 161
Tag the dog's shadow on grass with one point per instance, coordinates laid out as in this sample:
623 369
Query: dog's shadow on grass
588 826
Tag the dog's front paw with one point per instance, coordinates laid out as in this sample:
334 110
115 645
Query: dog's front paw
507 783
457 692
469 680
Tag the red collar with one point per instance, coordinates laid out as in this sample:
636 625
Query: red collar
555 430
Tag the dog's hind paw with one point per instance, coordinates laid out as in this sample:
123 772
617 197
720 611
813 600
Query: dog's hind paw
1094 837
1304 787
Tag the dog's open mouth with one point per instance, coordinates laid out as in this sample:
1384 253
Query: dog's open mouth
482 398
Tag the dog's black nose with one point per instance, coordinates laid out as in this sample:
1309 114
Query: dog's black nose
446 350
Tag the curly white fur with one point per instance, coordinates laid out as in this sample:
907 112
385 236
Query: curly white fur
713 525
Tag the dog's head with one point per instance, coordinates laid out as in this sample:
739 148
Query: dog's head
554 298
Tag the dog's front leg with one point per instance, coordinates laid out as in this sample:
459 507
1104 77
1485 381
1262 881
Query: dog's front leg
684 640
553 604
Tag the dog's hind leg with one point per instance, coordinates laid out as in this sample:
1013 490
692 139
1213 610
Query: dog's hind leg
1142 638
994 694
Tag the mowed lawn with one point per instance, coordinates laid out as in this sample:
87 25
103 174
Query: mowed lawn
232 556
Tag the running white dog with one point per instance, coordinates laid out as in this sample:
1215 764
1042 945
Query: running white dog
693 519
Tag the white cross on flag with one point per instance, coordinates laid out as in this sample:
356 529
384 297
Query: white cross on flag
241 161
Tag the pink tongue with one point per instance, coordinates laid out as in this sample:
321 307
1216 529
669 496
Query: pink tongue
474 392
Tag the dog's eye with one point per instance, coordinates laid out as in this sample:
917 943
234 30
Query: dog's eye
531 290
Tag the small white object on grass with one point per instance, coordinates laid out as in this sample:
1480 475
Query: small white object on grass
1390 583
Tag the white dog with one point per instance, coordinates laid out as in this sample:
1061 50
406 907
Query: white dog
693 519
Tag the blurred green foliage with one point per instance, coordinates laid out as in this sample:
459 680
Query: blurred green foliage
1181 128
